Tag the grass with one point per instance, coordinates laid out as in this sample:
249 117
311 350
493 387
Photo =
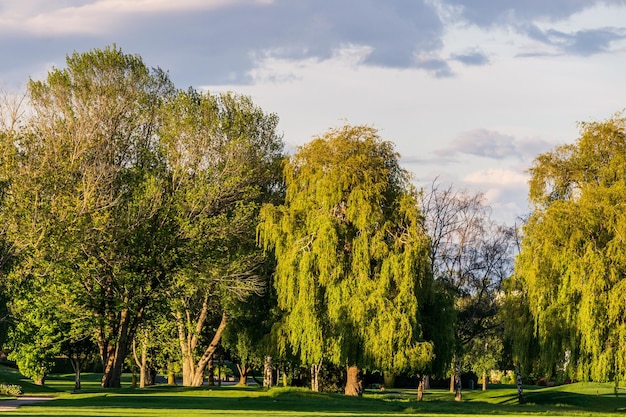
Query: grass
582 399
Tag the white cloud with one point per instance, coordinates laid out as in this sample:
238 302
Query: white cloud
54 18
497 176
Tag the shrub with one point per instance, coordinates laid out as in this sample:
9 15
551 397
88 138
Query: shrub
12 390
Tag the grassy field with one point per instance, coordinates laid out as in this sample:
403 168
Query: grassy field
570 400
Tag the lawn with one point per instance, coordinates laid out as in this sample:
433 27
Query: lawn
579 399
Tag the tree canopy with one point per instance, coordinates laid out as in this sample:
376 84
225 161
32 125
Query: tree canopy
118 188
572 265
352 255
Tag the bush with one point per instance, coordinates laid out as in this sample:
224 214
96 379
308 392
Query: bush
12 390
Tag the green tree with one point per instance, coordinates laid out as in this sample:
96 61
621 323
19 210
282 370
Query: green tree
572 264
86 192
352 256
223 156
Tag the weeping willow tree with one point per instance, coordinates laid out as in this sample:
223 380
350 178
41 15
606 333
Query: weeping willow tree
572 265
352 256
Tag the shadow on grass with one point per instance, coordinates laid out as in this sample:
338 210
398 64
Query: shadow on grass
240 401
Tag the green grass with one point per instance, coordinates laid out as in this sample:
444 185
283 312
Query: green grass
582 399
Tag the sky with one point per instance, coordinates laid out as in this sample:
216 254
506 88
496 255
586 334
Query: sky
470 91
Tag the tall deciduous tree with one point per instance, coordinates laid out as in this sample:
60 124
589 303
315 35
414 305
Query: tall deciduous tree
352 255
572 265
223 156
86 192
471 255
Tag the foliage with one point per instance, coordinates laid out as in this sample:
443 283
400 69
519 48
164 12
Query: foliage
85 200
572 264
123 194
12 390
352 258
223 156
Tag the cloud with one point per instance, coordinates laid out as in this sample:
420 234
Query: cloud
433 64
582 42
481 142
562 27
58 18
497 176
472 58
490 13
228 36
495 145
504 189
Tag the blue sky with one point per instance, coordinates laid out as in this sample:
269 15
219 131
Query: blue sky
470 91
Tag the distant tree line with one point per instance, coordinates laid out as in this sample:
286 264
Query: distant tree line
157 230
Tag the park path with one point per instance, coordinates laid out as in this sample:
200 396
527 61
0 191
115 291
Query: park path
11 405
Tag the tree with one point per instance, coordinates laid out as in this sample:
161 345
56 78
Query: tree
248 337
471 255
352 257
570 270
223 156
86 192
11 116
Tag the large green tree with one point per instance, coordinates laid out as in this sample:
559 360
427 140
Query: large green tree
223 156
571 271
86 194
352 255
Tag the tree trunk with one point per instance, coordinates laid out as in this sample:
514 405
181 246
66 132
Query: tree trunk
76 365
485 380
420 388
389 379
193 372
354 386
198 378
142 363
171 376
188 339
210 372
116 351
267 372
458 395
315 376
243 375
426 382
284 377
520 390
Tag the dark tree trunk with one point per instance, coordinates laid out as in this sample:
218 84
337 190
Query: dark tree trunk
458 395
114 351
171 376
76 365
354 385
520 390
211 370
389 379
